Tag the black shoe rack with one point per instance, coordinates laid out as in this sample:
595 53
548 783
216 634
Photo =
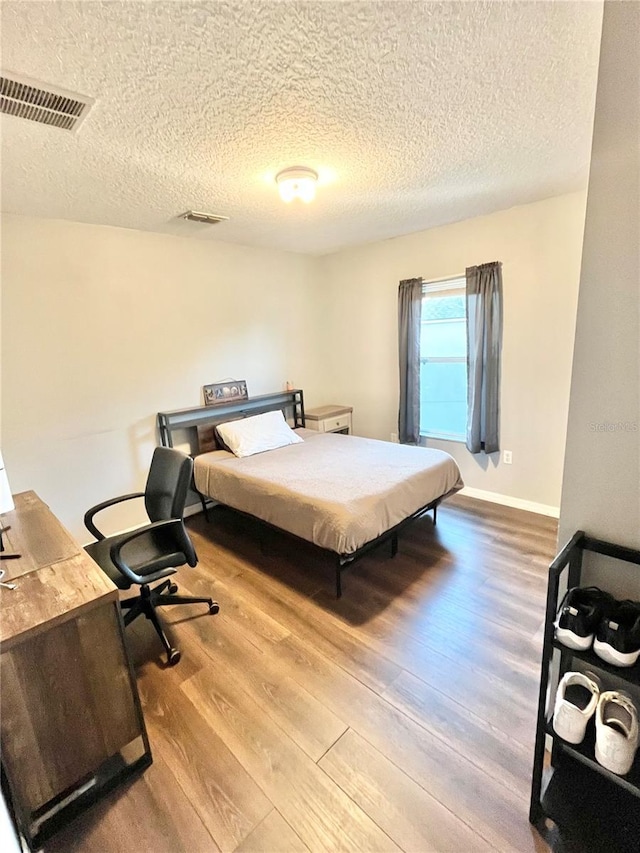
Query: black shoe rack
590 806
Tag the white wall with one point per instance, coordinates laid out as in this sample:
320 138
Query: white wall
601 492
104 327
539 245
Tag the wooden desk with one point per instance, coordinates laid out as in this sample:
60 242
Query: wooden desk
71 725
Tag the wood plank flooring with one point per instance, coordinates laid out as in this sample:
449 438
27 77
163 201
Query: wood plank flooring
398 718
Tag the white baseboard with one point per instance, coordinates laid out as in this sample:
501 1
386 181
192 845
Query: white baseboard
507 500
192 509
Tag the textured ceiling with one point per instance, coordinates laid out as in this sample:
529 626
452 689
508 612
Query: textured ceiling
414 113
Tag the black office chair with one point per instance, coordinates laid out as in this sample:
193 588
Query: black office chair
152 552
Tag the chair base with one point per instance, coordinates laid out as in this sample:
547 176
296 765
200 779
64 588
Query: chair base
149 599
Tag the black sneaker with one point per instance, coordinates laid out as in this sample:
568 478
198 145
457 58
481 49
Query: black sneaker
618 636
580 613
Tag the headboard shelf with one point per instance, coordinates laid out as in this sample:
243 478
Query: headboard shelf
289 402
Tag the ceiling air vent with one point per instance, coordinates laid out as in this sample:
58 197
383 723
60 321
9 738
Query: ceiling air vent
206 218
25 98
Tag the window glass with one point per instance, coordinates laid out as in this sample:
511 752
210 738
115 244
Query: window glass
443 363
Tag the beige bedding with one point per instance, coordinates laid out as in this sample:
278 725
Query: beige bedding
336 491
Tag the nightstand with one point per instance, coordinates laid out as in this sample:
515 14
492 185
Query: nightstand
329 419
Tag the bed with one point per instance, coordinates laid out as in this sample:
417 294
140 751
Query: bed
344 494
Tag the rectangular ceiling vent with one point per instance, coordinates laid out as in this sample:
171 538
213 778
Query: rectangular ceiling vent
206 218
25 98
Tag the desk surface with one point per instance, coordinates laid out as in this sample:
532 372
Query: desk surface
54 576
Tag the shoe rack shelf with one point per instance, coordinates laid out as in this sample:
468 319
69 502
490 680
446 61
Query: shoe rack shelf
556 660
630 675
585 752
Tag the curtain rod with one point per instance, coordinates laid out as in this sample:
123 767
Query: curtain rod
440 280
460 275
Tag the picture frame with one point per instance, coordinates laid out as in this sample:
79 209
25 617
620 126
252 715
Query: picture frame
225 392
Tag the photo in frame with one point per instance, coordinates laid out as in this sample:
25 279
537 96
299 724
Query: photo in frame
225 392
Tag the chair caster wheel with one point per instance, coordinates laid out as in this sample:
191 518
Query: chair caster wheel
172 588
173 657
214 607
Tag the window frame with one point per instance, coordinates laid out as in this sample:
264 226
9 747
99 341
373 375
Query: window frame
441 286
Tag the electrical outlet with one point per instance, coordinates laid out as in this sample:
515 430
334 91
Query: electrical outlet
507 457
394 437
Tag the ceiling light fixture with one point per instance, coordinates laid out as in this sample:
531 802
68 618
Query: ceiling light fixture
297 182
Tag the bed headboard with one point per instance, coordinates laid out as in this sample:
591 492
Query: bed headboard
201 421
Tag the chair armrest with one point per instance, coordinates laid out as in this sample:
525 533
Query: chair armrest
89 514
116 558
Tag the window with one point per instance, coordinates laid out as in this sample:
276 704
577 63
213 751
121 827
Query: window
443 361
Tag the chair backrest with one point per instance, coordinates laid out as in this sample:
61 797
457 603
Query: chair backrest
165 493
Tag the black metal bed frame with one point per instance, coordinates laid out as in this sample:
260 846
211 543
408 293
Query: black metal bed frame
344 561
189 419
292 403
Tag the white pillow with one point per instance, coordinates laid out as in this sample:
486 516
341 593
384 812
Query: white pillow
257 434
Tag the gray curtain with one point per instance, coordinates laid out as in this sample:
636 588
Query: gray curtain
409 315
484 343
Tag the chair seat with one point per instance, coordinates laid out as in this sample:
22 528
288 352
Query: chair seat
152 555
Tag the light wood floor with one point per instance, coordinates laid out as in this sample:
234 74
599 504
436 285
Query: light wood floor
400 717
